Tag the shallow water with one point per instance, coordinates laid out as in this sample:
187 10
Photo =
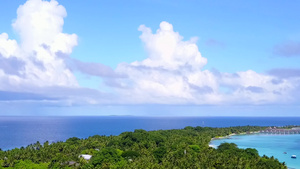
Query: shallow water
270 145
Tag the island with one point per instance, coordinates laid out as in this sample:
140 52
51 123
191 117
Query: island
177 148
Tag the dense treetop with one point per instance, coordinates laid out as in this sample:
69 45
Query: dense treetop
184 148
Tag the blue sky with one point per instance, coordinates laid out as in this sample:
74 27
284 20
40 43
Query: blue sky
201 58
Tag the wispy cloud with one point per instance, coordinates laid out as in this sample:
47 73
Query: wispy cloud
255 89
214 43
17 96
89 68
287 49
285 73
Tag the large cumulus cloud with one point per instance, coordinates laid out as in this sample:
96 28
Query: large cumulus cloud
39 25
33 69
174 74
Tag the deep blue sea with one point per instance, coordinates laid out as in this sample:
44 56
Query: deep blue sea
22 131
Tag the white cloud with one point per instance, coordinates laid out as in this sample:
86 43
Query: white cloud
167 49
7 47
173 74
254 88
39 24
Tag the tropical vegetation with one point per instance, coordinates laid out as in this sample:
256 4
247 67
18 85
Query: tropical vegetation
180 148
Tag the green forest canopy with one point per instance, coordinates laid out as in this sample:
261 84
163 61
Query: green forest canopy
182 148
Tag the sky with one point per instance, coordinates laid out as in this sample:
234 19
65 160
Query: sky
149 58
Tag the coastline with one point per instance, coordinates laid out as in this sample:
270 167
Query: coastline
228 136
290 163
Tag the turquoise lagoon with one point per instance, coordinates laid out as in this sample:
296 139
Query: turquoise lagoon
270 145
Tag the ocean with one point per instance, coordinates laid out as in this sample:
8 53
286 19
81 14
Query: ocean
22 131
270 145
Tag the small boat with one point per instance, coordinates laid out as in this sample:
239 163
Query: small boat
284 153
293 156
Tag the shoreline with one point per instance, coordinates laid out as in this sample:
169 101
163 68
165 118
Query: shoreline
233 134
228 136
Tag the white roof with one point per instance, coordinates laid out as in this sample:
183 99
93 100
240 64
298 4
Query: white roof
86 156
